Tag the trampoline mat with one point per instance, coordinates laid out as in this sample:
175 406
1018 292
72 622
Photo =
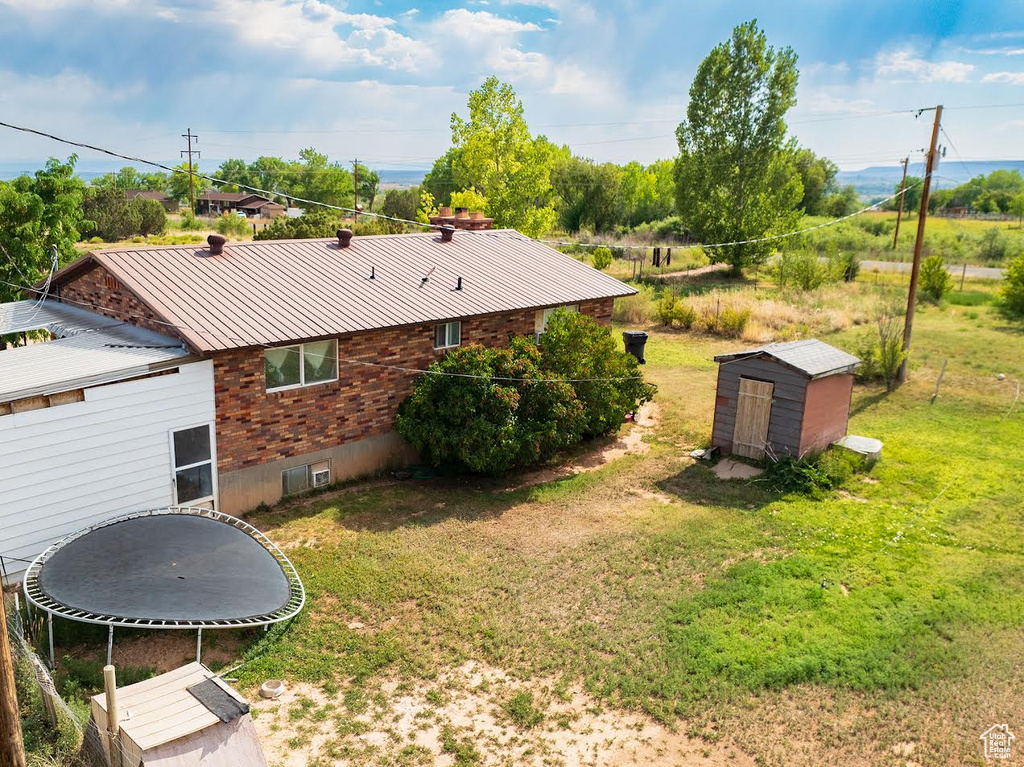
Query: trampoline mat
167 567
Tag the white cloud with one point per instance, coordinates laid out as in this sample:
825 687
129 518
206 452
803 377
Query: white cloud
479 25
1001 51
904 65
823 102
1010 78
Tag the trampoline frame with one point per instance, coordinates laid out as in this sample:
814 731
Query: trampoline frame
36 597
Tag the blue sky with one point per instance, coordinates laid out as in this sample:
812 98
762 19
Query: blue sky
378 79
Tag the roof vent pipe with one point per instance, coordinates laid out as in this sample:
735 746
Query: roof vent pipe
344 237
458 285
447 232
216 243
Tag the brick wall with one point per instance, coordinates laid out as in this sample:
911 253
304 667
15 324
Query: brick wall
97 290
255 426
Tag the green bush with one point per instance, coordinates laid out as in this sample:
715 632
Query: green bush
813 475
804 269
1011 297
602 258
115 217
936 282
152 216
315 224
732 322
882 355
672 310
231 224
574 347
190 222
486 424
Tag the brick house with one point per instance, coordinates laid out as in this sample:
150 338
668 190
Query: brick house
298 331
252 205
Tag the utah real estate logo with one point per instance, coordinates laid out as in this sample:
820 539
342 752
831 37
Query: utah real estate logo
997 741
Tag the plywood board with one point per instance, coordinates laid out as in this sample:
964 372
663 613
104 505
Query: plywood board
753 411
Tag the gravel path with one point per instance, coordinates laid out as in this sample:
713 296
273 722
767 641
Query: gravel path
977 272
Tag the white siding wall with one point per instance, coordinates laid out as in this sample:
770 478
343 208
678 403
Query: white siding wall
66 467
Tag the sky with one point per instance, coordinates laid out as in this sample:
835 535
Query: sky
379 79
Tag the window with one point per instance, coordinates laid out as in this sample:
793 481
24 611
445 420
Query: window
301 478
193 465
286 367
447 334
543 315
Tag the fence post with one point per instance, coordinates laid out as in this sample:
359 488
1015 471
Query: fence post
113 724
963 276
12 750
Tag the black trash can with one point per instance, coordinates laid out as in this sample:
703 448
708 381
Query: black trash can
635 341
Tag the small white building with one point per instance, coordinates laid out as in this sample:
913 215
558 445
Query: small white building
97 418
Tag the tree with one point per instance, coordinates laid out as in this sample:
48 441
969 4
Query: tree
37 214
440 181
115 218
236 172
1017 209
647 193
818 175
152 216
935 280
401 203
497 155
315 224
735 176
842 203
588 194
369 184
324 181
178 186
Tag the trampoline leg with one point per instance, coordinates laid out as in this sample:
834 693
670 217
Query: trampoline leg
199 646
49 628
110 644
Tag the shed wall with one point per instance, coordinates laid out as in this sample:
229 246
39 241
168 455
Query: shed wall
784 426
826 412
69 466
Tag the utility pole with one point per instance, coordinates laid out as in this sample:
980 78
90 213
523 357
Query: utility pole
355 188
903 193
191 178
12 750
915 270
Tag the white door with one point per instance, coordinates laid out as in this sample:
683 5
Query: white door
194 473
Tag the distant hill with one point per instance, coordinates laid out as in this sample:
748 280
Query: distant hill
881 181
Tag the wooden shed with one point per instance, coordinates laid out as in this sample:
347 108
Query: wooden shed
784 399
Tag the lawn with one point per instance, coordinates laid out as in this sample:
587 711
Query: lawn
881 624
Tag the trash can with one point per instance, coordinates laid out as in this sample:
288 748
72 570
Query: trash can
635 341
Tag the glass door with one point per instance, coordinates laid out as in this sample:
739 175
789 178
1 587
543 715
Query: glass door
194 478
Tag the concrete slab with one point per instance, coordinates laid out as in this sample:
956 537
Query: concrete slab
727 468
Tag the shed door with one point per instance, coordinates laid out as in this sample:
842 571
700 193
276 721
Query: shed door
753 409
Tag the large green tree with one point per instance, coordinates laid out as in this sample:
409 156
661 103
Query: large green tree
39 213
818 177
648 193
735 176
588 194
497 155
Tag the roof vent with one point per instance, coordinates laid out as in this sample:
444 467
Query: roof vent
216 242
447 232
344 237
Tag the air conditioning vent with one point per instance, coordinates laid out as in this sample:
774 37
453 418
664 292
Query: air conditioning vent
322 478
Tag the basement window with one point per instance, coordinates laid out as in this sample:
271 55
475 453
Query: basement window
302 478
288 367
447 335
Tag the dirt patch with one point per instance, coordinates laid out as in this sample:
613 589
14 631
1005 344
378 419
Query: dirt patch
630 443
472 710
168 650
727 468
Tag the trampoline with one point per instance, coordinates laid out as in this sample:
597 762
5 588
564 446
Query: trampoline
173 568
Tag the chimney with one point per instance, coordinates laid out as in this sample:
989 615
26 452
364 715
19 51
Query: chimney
216 242
447 232
344 237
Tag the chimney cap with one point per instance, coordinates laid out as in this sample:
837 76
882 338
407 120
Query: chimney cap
447 232
344 237
216 243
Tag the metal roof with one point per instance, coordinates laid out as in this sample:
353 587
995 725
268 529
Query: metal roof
89 349
275 292
812 357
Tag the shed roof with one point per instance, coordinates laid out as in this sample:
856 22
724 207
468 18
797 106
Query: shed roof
811 357
274 292
89 349
161 709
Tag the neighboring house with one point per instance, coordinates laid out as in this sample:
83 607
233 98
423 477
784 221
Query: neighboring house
253 205
169 203
314 343
94 423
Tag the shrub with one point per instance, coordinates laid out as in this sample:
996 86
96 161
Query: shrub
114 216
574 346
316 224
1011 297
153 217
813 475
602 258
229 223
190 222
732 321
882 356
849 266
486 424
638 309
803 270
522 711
674 311
935 280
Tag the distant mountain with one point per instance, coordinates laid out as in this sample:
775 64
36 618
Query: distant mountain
881 181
